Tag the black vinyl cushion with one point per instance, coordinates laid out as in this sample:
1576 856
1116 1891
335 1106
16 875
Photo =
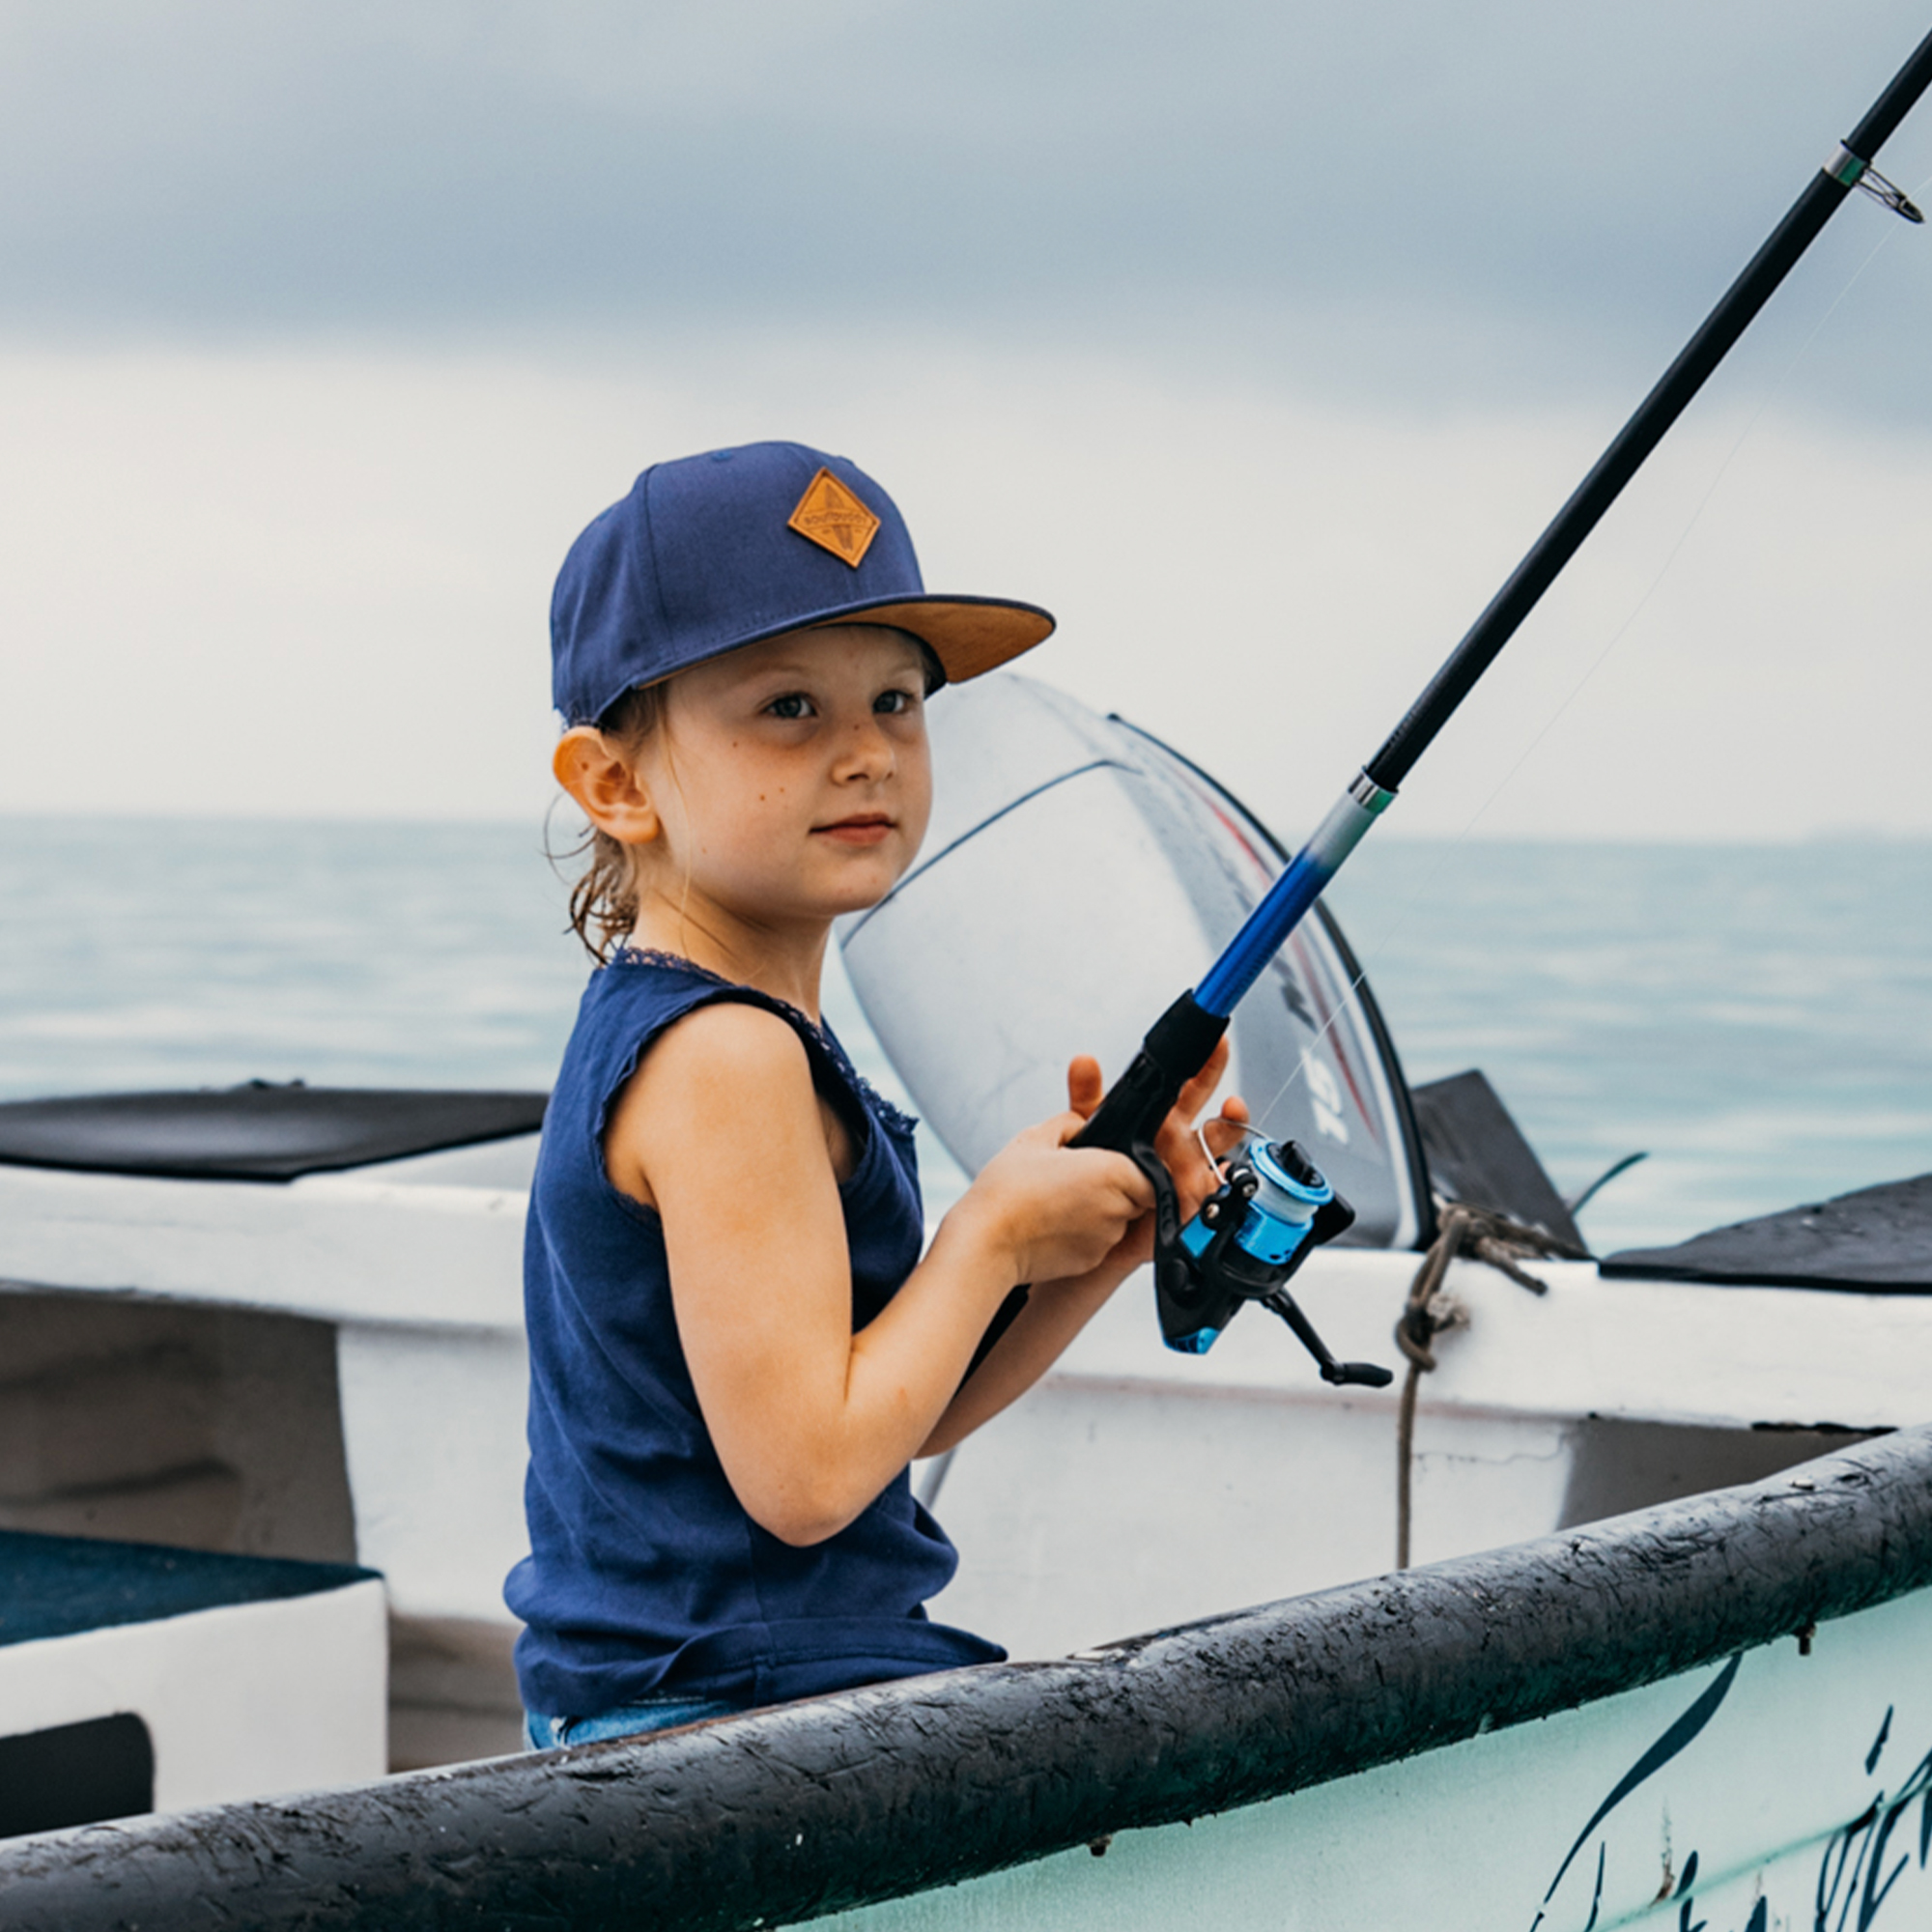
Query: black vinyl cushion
257 1132
60 1585
1877 1239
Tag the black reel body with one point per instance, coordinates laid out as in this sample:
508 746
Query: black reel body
1274 1205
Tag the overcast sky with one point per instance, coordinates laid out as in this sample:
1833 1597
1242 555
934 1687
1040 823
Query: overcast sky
1258 341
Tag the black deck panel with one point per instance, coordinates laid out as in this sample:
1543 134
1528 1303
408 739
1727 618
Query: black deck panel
1477 1155
1877 1241
256 1132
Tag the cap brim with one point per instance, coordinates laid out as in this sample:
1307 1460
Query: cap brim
967 635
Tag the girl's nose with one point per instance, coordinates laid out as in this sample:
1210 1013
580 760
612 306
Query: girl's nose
867 752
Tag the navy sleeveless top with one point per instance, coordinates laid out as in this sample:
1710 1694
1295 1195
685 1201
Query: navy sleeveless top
645 1575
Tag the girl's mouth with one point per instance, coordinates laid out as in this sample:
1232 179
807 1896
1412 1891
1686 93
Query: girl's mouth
863 828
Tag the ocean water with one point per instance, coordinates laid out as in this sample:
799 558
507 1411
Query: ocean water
1757 1019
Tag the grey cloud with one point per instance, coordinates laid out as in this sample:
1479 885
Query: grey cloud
1517 182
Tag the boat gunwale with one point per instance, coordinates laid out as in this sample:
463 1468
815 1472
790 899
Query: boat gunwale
784 1815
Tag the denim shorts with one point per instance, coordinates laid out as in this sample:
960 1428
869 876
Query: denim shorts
627 1720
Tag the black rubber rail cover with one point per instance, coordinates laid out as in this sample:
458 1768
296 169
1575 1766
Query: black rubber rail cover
1878 1240
779 1816
257 1132
1476 1155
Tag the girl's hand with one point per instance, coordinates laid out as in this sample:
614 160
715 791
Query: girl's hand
1078 1222
1176 1143
1051 1210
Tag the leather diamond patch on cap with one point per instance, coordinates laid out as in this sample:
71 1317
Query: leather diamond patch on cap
830 516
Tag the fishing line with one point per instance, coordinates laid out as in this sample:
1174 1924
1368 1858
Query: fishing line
1245 1241
1596 664
1406 916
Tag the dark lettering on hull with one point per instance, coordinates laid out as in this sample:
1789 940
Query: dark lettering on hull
1860 1865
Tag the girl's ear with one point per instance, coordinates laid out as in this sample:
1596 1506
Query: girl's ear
606 785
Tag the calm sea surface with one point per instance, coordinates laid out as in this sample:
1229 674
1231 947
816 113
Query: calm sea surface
1759 1019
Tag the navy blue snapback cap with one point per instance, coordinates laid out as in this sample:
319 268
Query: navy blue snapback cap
716 551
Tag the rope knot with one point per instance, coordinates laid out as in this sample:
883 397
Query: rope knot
1479 1234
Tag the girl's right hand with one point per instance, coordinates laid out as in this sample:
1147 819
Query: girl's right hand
1053 1210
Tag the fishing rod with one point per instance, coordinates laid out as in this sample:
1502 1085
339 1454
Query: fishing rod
1274 1207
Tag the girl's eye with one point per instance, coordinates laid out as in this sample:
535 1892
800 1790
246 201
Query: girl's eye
793 704
892 702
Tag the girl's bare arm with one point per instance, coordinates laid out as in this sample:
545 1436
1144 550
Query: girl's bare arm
721 1130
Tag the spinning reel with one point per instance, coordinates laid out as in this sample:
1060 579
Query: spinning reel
1272 1209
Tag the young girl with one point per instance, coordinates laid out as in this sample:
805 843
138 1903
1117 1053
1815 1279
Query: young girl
736 1347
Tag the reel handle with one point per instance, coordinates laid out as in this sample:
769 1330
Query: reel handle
1341 1374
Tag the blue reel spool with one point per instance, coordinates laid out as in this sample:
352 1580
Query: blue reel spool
1280 1212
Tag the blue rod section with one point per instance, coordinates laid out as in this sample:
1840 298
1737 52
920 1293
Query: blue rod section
1263 935
1287 901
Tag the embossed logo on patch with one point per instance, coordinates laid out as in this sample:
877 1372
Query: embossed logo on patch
830 516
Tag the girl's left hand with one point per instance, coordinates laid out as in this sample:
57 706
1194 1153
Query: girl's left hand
1176 1143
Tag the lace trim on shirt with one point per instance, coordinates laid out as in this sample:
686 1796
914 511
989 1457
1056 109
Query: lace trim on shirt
676 962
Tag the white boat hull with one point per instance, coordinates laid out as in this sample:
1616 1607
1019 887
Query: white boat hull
1770 1815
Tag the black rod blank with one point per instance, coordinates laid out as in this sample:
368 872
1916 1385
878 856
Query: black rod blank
1638 436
